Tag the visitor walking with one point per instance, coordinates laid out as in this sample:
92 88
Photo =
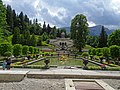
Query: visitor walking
4 65
8 63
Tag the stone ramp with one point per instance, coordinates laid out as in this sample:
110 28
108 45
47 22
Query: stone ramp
12 76
71 73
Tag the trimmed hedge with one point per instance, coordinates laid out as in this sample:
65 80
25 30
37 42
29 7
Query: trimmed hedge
31 50
25 50
107 69
17 49
5 47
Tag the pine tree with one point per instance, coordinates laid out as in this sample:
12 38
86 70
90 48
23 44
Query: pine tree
48 29
21 21
102 38
26 19
14 19
9 16
44 27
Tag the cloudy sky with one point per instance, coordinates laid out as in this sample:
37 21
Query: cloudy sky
60 12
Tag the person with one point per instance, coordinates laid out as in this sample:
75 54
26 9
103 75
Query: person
8 61
4 65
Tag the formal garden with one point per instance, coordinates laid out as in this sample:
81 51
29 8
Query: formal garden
34 57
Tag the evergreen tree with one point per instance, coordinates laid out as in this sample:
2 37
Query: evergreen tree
58 33
21 21
44 27
48 29
26 36
3 23
9 17
102 38
14 19
36 21
33 41
79 31
38 29
53 33
16 36
26 19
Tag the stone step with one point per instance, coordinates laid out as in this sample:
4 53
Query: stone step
12 76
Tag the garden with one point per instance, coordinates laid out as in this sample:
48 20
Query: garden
32 57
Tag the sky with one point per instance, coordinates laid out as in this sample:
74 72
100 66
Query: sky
61 12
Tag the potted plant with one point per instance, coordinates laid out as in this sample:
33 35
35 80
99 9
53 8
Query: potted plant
46 61
85 62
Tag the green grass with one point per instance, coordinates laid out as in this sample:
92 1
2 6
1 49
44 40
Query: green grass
87 47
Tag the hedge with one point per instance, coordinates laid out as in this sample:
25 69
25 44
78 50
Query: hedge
5 47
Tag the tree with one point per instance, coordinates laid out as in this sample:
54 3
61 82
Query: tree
5 47
48 29
99 51
114 38
25 50
92 41
102 38
17 49
9 19
44 27
26 37
26 19
39 43
106 52
1 35
114 51
33 41
21 26
16 36
53 33
31 50
92 51
3 23
14 19
79 31
44 36
58 33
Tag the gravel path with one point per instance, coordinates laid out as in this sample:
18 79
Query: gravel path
35 84
47 84
113 83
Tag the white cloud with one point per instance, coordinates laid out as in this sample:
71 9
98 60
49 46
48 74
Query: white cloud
60 12
91 24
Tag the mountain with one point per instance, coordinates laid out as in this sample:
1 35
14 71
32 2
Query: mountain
95 30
